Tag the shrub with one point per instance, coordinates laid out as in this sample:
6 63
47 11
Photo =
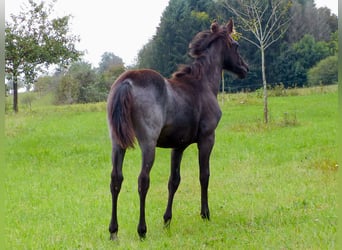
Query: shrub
325 72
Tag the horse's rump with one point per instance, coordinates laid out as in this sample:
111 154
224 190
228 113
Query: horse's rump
135 97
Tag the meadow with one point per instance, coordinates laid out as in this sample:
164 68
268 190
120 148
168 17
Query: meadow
272 186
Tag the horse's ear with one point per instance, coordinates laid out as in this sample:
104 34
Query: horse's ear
214 26
230 26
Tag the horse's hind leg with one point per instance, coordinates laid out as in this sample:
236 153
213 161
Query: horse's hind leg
174 180
205 146
118 154
148 154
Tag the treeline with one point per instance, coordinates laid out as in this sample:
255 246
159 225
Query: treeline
300 58
306 55
82 83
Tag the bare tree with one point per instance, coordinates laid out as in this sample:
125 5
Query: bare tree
267 21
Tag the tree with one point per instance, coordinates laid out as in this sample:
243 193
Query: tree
34 40
109 59
307 19
43 84
85 75
107 78
294 62
168 47
110 67
68 90
88 84
309 52
267 21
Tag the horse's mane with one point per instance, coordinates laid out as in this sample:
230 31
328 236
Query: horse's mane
198 50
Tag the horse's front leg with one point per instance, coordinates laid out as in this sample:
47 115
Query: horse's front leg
205 145
148 154
174 180
115 186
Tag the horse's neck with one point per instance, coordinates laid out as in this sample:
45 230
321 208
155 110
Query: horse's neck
213 73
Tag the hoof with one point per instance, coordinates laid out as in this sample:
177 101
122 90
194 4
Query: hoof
205 216
142 236
113 236
167 224
142 233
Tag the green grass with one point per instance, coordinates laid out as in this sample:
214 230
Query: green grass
272 186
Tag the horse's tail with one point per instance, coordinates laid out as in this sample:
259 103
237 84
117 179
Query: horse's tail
119 110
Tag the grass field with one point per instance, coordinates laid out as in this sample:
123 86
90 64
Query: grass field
271 187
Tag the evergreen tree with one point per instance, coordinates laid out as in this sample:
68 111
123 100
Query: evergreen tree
181 20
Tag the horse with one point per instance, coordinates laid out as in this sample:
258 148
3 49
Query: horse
171 113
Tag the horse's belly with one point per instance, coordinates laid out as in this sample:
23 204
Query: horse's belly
175 138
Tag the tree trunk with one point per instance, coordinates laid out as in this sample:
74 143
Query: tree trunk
264 82
15 93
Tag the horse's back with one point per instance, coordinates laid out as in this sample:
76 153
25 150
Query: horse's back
143 78
148 89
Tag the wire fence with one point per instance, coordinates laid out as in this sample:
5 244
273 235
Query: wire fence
250 87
